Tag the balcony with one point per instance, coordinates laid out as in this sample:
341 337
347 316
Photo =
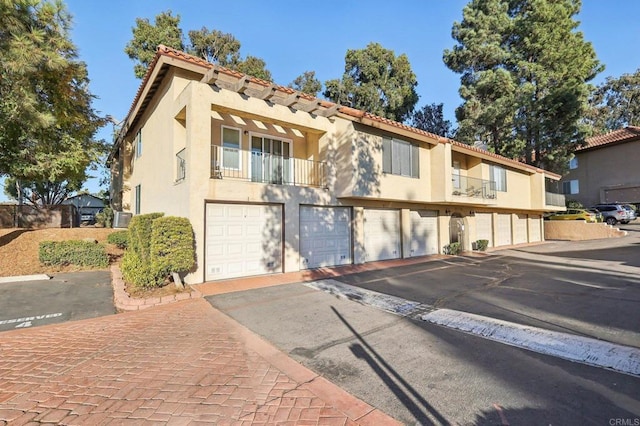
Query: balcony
553 199
469 187
259 166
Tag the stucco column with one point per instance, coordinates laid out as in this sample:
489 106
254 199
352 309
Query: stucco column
405 226
291 226
358 235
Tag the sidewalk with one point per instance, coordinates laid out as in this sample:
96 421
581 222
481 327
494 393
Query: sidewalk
177 364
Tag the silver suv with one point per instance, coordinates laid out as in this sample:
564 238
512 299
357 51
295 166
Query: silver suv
613 213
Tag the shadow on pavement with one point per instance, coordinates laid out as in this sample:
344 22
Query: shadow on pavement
421 409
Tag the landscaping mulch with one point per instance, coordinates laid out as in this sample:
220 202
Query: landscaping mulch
19 248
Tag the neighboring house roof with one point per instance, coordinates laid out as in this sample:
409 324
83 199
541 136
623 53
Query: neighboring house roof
626 134
85 199
140 102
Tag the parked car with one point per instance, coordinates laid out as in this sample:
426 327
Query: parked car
599 216
574 214
613 213
632 212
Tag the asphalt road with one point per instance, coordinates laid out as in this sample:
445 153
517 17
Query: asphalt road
423 373
65 297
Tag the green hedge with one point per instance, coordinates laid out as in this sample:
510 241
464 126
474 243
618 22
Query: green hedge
119 238
172 245
453 249
481 245
157 247
140 274
80 253
140 234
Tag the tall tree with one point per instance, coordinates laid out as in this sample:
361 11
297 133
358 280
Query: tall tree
47 122
615 103
307 83
377 81
525 72
430 118
211 45
146 38
255 67
215 46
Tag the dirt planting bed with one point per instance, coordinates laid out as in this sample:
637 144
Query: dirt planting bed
19 248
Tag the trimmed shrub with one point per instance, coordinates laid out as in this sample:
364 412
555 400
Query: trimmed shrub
172 245
119 239
136 272
481 245
453 249
80 253
140 234
105 217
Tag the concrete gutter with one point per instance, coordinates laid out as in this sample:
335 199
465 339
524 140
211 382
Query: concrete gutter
20 278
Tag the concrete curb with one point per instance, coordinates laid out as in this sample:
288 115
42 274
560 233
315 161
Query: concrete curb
20 278
123 301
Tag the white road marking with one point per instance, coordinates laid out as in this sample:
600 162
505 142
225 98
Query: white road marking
22 321
599 353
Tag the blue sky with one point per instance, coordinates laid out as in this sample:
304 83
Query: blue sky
294 36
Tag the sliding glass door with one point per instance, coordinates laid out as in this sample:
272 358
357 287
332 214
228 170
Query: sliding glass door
270 160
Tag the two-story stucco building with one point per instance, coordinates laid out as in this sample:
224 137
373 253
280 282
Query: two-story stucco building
606 169
274 180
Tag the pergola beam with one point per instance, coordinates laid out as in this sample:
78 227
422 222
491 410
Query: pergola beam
211 76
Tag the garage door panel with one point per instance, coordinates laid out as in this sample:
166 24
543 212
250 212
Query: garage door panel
503 230
381 234
484 227
242 240
424 232
325 236
535 234
520 230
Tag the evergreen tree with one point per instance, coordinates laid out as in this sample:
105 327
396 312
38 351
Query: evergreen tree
307 83
377 81
47 122
525 72
146 38
430 118
211 45
615 103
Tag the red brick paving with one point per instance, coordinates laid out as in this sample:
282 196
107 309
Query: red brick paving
178 364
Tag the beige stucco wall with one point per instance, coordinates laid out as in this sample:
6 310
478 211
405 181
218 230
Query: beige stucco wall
610 166
187 114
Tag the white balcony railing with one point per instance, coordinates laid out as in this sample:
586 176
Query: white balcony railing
257 166
464 186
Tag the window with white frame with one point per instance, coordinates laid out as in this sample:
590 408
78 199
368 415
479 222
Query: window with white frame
499 176
571 187
181 165
400 158
230 148
573 163
138 190
139 143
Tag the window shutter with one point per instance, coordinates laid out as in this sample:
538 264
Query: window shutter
386 155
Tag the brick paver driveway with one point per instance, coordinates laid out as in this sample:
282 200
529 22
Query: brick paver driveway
176 364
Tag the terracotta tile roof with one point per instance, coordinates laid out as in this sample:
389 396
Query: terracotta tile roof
620 135
352 112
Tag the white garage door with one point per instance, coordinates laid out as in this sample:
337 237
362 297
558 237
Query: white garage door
424 232
520 229
325 236
503 226
534 228
242 240
381 234
484 227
